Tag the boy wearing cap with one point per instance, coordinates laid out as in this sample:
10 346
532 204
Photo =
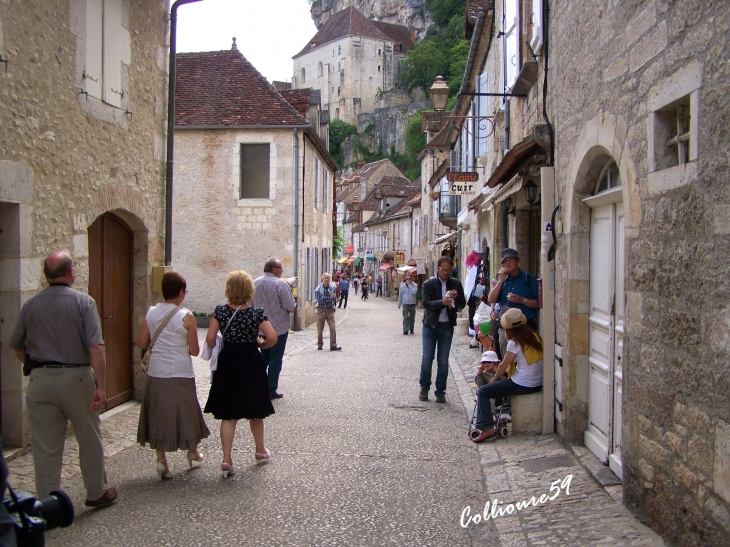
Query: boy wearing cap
487 368
514 289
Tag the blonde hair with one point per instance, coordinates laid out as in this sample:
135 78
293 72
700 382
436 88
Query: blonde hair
239 287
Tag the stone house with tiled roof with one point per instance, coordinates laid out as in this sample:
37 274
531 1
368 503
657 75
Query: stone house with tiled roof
352 60
252 179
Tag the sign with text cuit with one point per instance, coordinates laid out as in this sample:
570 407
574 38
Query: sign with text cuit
399 258
349 249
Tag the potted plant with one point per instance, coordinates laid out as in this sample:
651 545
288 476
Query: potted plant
435 195
202 319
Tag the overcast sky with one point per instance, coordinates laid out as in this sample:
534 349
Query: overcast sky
268 32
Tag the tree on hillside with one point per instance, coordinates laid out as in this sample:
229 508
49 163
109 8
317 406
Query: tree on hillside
443 10
339 131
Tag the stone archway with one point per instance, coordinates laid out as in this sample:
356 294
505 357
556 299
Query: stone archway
601 138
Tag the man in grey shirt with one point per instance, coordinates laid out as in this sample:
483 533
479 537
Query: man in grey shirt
407 299
273 294
58 336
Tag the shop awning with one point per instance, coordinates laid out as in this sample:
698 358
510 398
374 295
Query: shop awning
370 257
444 238
342 260
385 267
407 269
358 261
512 161
351 260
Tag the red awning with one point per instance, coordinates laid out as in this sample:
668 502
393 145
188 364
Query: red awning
350 260
385 267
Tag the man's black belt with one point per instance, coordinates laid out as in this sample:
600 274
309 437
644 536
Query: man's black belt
50 364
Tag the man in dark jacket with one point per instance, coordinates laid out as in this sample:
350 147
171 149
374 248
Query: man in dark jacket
443 297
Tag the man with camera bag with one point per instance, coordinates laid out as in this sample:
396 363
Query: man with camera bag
59 341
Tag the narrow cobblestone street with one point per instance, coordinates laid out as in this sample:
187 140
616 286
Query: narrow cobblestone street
357 460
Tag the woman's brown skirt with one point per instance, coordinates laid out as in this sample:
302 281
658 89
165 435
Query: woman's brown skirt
170 418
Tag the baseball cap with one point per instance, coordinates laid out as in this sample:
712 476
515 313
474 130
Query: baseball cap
513 317
489 357
509 253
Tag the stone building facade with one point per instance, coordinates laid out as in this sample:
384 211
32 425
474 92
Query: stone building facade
353 62
82 170
647 100
252 180
628 229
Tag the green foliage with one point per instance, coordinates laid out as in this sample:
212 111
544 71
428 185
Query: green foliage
370 127
337 242
339 131
440 53
442 11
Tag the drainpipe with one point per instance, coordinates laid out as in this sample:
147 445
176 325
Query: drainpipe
296 216
171 129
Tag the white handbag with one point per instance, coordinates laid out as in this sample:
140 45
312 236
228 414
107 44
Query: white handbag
212 353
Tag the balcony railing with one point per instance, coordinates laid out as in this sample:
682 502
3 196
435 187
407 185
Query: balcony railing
448 208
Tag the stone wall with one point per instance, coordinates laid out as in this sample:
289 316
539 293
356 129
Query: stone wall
215 233
67 158
619 68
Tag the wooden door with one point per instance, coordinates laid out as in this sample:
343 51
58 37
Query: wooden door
110 284
605 378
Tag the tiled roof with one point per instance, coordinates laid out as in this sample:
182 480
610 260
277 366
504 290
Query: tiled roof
298 98
221 88
349 21
398 33
281 85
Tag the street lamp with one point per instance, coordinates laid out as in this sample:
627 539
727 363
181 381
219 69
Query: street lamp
531 192
508 208
439 94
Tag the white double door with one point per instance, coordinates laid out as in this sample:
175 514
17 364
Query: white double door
606 330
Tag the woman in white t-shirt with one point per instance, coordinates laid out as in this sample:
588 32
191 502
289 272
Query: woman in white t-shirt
170 418
524 349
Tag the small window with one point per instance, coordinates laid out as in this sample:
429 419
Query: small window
339 50
338 91
254 171
304 76
320 70
339 66
379 52
608 179
672 134
378 68
337 113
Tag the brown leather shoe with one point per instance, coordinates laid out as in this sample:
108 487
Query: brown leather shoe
107 499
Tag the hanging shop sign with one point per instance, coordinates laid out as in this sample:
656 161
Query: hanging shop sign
349 249
399 259
461 183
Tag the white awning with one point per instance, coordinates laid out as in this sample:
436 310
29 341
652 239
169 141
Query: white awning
444 238
512 187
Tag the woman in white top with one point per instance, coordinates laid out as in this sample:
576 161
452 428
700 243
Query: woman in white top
170 418
524 348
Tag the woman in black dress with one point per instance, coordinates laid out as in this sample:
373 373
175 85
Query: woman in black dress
240 389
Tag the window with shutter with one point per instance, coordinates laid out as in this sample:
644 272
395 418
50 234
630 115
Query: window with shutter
510 43
316 183
94 45
105 45
536 41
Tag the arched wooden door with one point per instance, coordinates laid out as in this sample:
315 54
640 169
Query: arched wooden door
110 284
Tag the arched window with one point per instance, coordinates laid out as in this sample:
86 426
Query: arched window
337 113
378 52
320 69
608 179
378 68
304 77
338 91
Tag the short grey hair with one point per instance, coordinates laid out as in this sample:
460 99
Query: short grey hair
325 274
271 264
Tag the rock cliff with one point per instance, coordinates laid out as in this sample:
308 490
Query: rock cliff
410 13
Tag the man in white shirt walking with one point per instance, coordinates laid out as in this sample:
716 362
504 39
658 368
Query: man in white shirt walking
273 294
